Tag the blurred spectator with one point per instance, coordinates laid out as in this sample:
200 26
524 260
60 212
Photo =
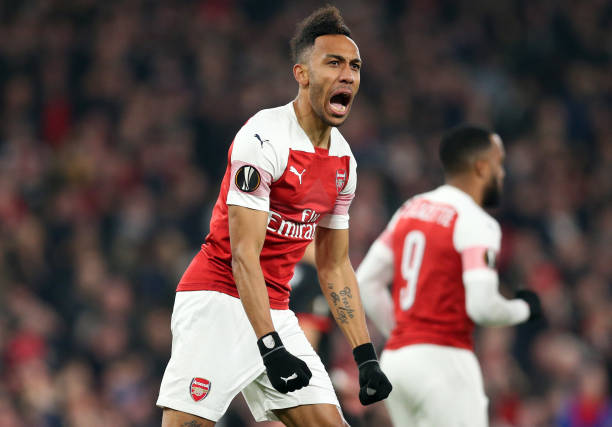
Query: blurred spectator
591 404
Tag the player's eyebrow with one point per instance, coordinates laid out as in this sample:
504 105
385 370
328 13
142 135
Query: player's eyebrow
343 59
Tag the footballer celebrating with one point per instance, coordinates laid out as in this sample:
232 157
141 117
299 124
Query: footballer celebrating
439 252
290 179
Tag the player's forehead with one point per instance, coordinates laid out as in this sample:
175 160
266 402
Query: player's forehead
336 44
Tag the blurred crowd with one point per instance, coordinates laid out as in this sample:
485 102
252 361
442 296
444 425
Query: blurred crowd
115 120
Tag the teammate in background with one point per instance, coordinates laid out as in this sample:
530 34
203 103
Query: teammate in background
290 179
439 251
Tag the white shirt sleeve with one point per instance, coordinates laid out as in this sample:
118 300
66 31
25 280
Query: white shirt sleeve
486 306
477 237
256 161
374 275
339 217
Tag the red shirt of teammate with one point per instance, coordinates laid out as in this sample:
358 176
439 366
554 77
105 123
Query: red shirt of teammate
439 253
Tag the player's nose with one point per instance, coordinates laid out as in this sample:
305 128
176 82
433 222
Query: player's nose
347 74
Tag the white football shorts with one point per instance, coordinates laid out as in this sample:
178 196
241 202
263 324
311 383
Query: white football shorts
435 386
215 356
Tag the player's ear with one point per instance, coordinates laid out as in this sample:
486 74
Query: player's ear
300 72
482 167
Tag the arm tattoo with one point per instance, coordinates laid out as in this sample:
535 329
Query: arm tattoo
345 311
346 293
192 423
335 298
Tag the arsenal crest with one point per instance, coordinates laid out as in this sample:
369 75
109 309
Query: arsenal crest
340 179
199 388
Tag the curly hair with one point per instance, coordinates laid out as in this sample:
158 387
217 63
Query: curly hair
326 20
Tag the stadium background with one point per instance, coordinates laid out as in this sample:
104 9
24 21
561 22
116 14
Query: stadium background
115 118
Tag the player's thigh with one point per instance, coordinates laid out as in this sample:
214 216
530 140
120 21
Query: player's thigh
455 408
404 404
320 415
214 355
402 413
461 400
468 395
264 400
437 386
172 418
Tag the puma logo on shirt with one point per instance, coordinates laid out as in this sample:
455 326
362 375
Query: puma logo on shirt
299 174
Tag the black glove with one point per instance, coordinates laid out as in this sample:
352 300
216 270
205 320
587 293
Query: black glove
373 383
532 299
285 371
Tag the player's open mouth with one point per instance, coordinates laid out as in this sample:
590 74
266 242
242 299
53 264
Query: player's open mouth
340 101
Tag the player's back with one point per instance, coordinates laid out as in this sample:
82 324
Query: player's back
426 237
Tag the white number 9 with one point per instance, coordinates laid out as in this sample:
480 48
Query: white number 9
412 256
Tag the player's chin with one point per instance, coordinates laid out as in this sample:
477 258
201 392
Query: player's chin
334 118
337 121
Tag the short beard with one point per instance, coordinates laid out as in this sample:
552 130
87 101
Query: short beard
491 196
315 94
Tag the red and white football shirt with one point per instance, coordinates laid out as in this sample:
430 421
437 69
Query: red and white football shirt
273 167
434 238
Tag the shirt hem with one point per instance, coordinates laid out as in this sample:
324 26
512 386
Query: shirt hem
394 345
233 292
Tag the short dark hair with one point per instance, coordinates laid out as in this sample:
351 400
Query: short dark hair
460 144
323 21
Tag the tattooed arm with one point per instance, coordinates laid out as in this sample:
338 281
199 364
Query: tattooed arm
339 285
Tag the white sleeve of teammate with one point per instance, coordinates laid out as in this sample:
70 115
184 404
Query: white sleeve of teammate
477 238
255 163
339 218
374 275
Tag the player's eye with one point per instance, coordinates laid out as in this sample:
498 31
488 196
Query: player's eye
356 67
334 62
